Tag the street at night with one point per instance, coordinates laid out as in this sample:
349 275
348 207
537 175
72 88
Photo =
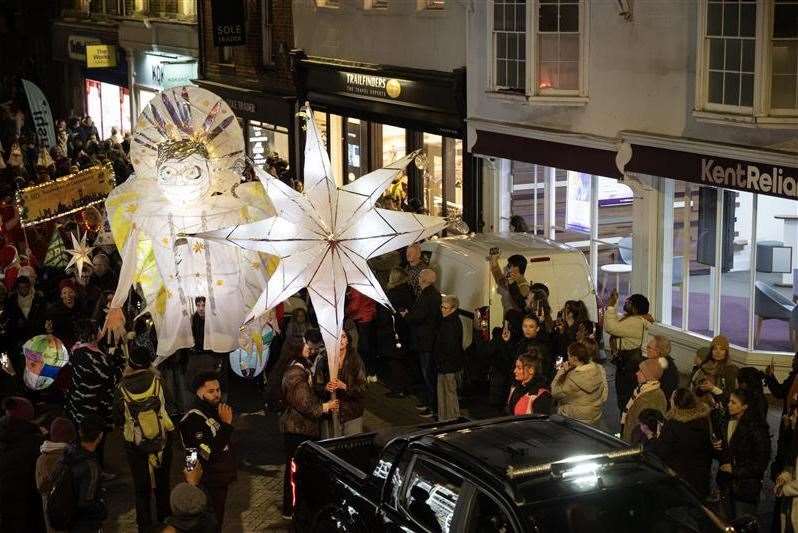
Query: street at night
432 266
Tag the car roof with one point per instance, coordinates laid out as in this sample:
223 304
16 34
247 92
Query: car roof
522 441
525 244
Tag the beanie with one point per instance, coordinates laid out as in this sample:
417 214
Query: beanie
139 358
187 499
651 369
62 430
19 407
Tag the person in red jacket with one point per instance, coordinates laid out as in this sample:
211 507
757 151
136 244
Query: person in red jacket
362 310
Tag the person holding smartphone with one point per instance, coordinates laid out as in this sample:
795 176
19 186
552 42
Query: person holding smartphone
511 284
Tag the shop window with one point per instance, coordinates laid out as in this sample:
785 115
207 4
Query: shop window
784 56
109 107
527 195
266 142
727 261
357 148
393 144
509 45
433 174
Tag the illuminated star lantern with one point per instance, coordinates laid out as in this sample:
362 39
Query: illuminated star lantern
325 236
80 252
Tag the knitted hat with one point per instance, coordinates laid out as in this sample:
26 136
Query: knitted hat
139 357
62 430
19 407
651 369
187 499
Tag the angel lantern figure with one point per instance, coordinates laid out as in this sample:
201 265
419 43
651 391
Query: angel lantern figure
187 152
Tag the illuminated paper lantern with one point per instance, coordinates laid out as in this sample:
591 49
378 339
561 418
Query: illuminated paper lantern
188 154
249 360
45 356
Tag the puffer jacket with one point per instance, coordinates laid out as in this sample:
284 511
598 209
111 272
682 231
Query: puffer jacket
303 408
581 393
685 445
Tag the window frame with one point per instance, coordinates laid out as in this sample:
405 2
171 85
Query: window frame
266 29
492 74
428 6
761 112
532 93
401 500
328 4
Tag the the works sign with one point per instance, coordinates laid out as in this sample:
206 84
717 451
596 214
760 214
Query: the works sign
741 175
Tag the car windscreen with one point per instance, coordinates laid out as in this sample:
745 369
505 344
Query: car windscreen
663 505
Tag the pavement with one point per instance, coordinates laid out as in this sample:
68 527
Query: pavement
253 503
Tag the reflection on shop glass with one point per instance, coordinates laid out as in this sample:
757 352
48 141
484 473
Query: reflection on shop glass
431 497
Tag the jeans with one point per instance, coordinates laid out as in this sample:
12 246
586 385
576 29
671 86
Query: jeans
142 485
427 364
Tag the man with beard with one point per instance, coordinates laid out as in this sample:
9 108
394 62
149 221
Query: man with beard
208 428
25 311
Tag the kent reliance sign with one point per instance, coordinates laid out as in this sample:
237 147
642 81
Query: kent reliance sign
741 175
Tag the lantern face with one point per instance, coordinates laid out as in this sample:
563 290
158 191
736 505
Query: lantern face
185 180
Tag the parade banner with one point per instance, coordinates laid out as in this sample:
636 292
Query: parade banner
66 195
42 116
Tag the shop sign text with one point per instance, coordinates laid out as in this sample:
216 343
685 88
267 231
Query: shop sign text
369 85
750 177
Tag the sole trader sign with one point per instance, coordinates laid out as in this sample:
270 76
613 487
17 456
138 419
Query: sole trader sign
63 196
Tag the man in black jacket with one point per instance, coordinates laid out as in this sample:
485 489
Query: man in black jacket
87 478
25 312
423 319
208 428
448 354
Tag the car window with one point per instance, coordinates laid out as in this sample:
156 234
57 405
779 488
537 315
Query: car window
487 516
431 495
383 469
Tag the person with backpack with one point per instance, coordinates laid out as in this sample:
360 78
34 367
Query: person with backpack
75 502
147 431
208 428
62 434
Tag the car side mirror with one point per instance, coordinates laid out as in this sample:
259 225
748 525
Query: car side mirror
745 524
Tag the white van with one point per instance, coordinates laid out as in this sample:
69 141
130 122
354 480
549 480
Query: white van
463 270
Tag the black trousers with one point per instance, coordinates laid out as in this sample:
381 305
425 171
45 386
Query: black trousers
291 442
217 495
143 486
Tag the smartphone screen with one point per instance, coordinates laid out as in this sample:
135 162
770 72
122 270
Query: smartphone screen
192 457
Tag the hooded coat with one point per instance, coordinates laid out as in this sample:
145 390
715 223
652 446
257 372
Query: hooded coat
581 393
20 504
685 445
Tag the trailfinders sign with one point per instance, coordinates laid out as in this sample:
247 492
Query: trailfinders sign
373 86
741 175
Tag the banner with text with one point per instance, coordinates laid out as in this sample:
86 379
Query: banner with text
40 111
66 195
229 22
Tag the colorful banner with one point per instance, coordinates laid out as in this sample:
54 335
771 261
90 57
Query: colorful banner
42 116
66 195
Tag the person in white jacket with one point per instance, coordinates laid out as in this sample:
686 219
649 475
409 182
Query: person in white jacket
627 334
580 386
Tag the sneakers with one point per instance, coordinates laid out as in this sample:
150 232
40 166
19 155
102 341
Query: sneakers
286 516
427 414
422 408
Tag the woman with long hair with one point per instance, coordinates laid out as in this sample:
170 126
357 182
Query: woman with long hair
349 386
714 377
627 334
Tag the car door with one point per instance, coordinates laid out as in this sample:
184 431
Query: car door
484 512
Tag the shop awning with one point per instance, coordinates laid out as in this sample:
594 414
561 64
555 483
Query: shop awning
549 153
275 109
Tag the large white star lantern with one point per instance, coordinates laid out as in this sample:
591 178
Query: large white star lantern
80 252
325 237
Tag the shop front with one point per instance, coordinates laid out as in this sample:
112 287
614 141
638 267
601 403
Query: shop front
267 121
156 71
371 115
707 231
96 73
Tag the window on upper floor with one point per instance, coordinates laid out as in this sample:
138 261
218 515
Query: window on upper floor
141 6
432 4
267 53
187 8
334 4
748 60
538 48
375 4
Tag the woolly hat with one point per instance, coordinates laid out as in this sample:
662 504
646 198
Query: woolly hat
187 499
62 430
19 407
651 369
139 358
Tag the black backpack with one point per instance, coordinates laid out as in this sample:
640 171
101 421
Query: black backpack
62 500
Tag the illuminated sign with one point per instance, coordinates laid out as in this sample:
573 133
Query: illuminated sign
101 56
